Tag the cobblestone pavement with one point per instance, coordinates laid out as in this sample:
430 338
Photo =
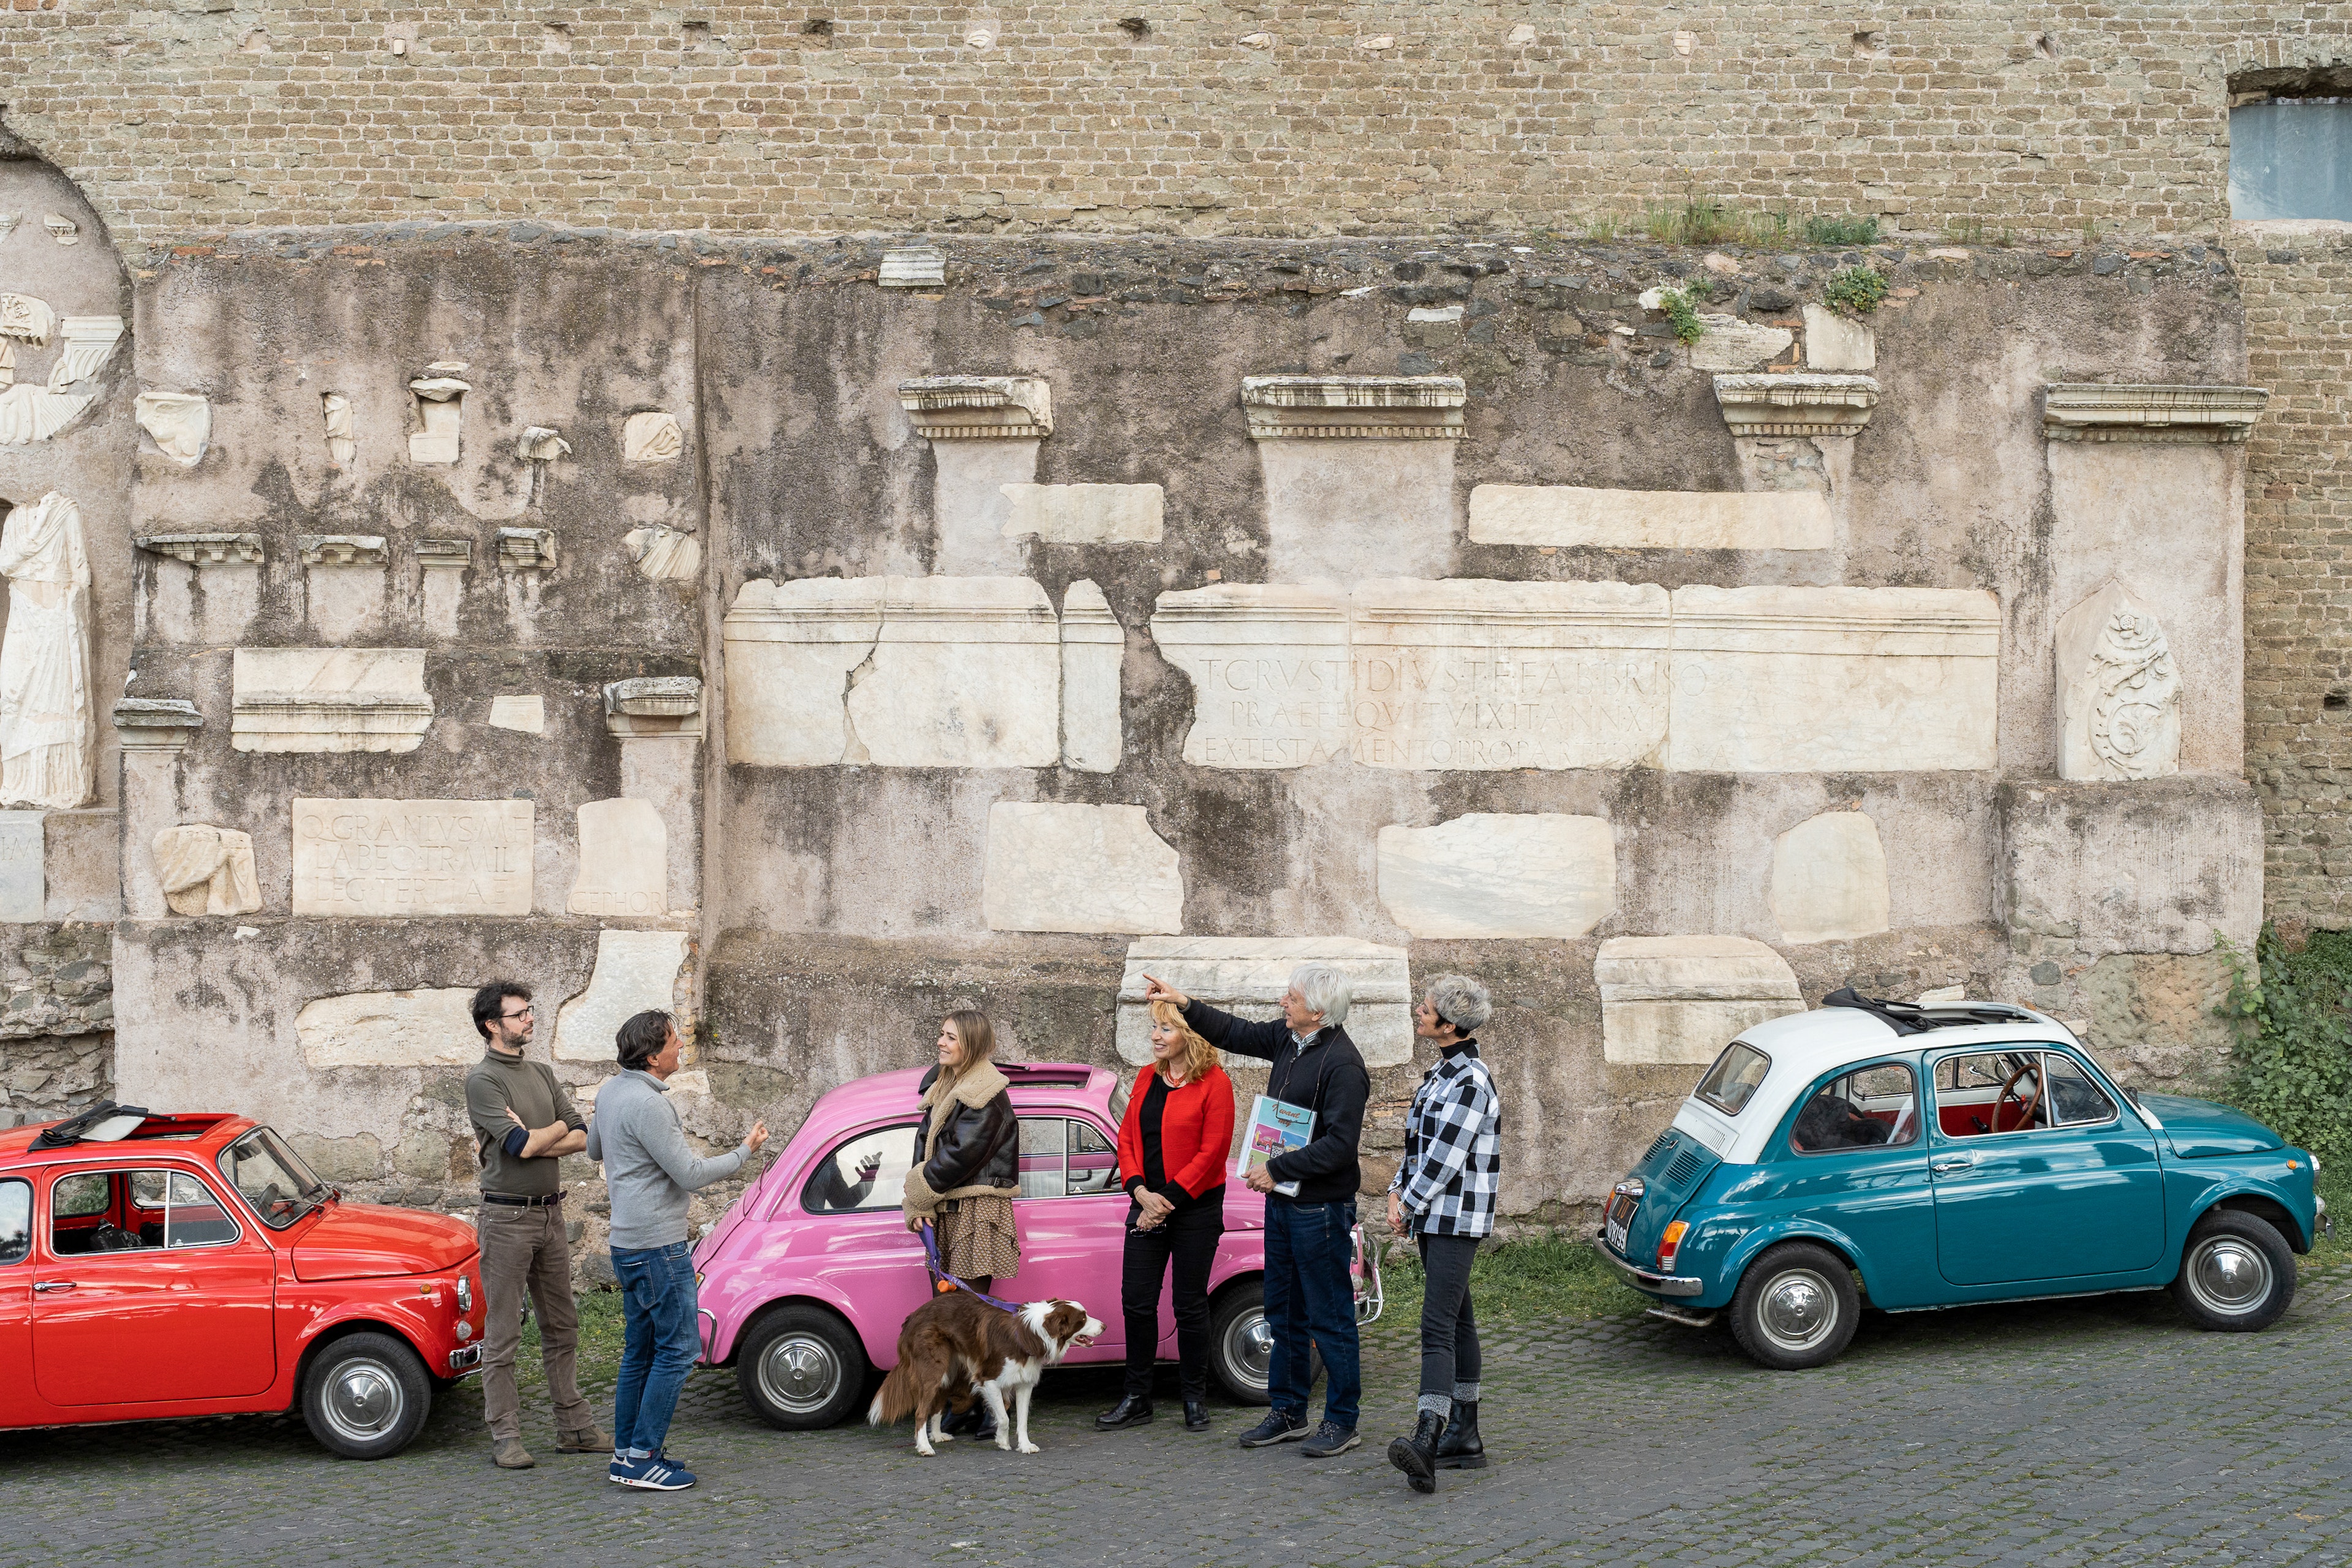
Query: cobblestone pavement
2075 1432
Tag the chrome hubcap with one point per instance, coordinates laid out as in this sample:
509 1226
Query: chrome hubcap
1249 1348
1797 1309
2229 1276
365 1400
800 1373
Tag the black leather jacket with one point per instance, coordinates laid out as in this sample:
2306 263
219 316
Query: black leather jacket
977 1148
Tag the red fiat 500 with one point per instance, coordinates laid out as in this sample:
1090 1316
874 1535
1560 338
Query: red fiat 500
176 1266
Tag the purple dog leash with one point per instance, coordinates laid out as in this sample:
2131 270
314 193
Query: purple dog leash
931 1258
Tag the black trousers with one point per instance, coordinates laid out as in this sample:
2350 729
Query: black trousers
1449 1331
1187 1238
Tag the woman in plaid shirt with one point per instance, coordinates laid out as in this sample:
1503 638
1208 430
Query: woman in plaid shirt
1444 1196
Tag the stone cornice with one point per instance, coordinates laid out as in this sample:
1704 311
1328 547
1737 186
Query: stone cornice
2150 411
445 555
156 723
979 408
1796 405
527 548
655 705
206 549
1357 408
341 549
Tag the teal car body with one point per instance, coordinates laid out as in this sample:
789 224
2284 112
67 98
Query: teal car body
1986 1157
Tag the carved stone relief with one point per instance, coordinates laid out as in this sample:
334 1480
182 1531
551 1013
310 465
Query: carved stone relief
916 266
89 342
29 413
49 722
445 555
206 870
328 700
62 229
1269 671
1092 649
1679 1000
1490 875
336 410
1799 403
1247 976
201 550
2089 411
26 318
2119 690
179 422
1056 868
527 548
1828 878
664 554
653 437
539 443
979 408
1378 408
440 415
341 549
370 858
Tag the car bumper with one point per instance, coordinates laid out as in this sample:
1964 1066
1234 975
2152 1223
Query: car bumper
465 1361
1645 1279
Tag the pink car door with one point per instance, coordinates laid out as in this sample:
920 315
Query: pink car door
851 1235
1072 1219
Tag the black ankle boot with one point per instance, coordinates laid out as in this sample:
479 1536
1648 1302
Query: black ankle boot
1460 1448
1132 1410
1196 1415
1417 1455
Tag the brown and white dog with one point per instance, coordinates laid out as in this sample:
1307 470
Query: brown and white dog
955 1343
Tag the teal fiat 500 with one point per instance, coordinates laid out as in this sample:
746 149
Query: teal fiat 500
1945 1156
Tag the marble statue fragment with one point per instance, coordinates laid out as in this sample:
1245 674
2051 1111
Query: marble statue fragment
2121 690
62 229
25 316
180 424
541 445
30 412
664 554
91 341
340 447
206 870
653 437
46 722
440 409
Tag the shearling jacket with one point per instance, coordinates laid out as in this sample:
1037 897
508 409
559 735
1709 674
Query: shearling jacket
969 1139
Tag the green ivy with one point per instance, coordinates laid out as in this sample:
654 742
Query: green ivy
2292 1015
1857 291
1683 315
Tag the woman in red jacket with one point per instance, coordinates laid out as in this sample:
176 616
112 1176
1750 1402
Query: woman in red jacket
1171 1157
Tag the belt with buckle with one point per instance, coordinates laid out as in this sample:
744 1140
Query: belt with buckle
547 1202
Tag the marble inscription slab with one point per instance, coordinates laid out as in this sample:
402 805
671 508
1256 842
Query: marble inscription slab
390 1029
1828 878
1269 671
411 857
624 861
1569 516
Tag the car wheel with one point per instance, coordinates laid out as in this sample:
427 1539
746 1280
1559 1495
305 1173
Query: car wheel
1796 1306
2237 1273
366 1396
1240 1344
801 1368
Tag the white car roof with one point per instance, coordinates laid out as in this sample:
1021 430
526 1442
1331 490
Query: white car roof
1804 1047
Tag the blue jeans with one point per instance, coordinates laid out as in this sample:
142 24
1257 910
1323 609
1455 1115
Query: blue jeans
1308 1294
660 1340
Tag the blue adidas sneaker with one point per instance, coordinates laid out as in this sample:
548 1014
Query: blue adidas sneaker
654 1475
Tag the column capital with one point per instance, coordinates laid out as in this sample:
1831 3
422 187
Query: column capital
156 723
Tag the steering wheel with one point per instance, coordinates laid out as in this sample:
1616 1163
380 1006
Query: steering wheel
2009 1091
272 1202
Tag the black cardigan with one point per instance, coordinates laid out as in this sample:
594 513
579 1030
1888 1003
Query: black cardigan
1327 1077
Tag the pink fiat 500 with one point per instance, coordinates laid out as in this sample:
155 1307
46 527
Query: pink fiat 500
806 1279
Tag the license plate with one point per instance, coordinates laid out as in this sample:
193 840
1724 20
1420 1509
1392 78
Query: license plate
1620 1215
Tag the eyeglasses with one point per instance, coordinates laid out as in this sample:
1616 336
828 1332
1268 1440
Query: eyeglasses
510 1017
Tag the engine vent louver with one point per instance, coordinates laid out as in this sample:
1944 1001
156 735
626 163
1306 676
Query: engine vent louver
1665 1141
1685 1167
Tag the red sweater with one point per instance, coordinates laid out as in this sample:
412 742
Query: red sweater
1196 1129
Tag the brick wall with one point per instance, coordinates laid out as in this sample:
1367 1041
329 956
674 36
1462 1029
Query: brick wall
830 116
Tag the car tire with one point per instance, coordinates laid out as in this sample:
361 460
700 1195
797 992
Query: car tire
801 1368
1796 1306
2237 1274
366 1396
1241 1348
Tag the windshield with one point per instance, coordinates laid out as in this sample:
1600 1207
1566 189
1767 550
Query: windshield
1732 1081
272 1177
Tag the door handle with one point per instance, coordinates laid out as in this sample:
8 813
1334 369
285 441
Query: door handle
42 1286
1946 1167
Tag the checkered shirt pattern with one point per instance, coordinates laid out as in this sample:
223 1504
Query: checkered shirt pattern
1452 1161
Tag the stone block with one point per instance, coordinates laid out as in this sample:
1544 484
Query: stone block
1084 515
636 971
1679 1000
2119 691
624 861
411 857
1783 680
328 700
525 715
1093 648
391 1029
1492 874
1056 868
206 870
1828 878
1486 675
1836 342
790 648
1569 517
2148 413
1247 976
24 886
1730 343
2148 865
1269 671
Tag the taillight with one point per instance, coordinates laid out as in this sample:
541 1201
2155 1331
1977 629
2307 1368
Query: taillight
1672 1243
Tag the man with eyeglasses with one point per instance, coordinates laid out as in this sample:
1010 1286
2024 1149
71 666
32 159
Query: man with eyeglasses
523 1124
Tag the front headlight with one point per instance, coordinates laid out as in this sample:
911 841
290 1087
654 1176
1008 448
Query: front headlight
2315 1164
465 1293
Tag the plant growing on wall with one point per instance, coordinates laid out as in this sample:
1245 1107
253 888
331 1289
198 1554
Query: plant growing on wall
2292 1013
1842 231
1683 314
1857 291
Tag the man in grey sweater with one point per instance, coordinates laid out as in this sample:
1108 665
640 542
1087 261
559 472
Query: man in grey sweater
650 1176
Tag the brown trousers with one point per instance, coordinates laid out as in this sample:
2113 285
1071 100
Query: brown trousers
526 1249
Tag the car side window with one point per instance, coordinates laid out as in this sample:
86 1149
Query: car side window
1872 1107
2074 1099
1093 1161
16 1221
1045 1157
168 1210
869 1171
78 1196
174 1209
1995 1091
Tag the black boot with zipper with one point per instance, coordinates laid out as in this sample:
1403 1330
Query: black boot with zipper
1417 1455
1460 1448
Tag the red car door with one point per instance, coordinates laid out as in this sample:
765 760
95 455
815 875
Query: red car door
171 1298
18 1406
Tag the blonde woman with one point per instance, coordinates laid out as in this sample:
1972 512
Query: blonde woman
970 1168
1171 1157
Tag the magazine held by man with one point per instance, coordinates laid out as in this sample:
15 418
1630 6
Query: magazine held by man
1276 1127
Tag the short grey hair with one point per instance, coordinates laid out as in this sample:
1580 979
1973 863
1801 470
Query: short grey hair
1326 989
1460 1002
